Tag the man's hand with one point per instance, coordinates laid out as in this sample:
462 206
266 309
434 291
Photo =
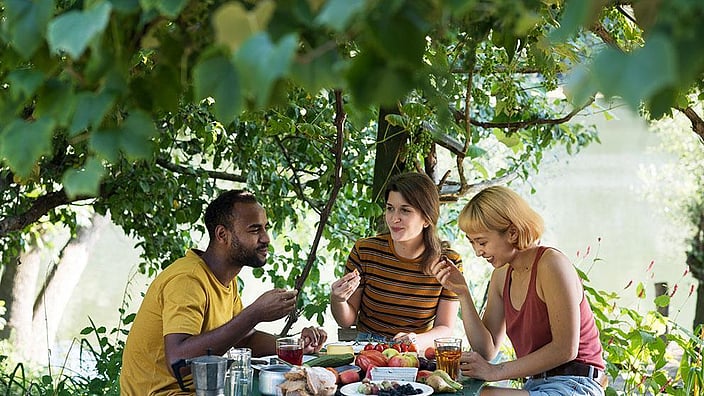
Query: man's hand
313 339
274 304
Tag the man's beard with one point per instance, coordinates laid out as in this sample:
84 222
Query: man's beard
242 257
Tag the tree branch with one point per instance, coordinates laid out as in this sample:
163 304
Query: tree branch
190 171
296 181
696 120
535 121
340 117
600 31
41 206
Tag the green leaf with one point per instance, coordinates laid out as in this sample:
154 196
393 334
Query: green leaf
337 14
106 143
400 40
662 301
323 70
575 15
512 141
474 151
640 290
22 143
136 135
24 83
372 81
84 181
169 8
57 101
90 110
217 78
71 32
263 62
650 69
26 23
395 120
233 24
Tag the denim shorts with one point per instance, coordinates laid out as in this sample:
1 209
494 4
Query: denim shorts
371 337
563 385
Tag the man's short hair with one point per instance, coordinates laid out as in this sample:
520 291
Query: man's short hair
219 212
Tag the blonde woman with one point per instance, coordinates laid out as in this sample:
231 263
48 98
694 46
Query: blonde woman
535 298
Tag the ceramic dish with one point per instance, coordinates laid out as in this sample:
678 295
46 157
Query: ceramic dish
351 389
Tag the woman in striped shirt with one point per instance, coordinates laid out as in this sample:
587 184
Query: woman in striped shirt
388 291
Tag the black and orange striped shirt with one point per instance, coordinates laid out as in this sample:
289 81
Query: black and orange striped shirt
396 294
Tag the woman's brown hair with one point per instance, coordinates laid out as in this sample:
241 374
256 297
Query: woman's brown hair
421 193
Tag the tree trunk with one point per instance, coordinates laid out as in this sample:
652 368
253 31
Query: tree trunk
60 284
695 262
34 312
390 141
18 285
699 309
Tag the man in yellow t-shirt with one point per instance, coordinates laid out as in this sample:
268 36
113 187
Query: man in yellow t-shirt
193 307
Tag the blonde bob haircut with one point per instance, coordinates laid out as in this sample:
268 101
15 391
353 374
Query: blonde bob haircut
496 208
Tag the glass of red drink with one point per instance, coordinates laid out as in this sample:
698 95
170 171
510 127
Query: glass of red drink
290 349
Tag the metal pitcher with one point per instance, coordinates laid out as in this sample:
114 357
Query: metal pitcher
208 374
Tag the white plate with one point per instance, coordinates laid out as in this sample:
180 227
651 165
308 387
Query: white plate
351 389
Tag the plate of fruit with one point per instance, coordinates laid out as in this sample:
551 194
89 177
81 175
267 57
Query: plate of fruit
386 388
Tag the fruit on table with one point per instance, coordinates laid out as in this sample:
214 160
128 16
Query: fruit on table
404 359
349 376
425 364
390 352
386 388
380 347
370 358
423 375
439 385
429 353
446 377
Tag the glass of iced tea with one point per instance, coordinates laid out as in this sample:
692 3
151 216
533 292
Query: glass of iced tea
290 349
448 351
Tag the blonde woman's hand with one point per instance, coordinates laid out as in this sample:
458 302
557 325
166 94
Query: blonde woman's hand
473 365
343 288
449 275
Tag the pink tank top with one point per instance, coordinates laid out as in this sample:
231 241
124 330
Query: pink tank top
529 328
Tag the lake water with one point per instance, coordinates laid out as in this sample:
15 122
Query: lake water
597 195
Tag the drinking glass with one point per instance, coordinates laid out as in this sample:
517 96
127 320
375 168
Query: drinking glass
239 376
290 349
448 351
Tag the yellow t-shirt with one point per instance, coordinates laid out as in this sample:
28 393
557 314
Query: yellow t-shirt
184 298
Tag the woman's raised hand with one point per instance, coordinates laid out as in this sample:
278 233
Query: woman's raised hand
449 275
343 288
